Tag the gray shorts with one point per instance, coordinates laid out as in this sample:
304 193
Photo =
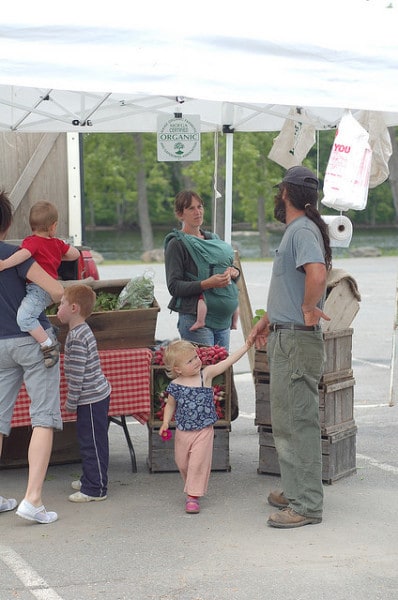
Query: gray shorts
21 360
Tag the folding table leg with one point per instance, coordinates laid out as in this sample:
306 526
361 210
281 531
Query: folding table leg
122 423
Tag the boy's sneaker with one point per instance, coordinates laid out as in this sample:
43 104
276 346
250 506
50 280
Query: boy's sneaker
80 497
76 485
7 504
26 510
51 354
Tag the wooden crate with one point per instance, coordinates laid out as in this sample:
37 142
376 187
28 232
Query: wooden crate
261 367
336 405
161 453
116 329
338 454
338 350
341 305
65 447
263 404
159 382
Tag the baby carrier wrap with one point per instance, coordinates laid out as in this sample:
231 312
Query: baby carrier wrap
211 256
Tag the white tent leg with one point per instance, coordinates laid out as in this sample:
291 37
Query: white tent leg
229 157
74 188
394 355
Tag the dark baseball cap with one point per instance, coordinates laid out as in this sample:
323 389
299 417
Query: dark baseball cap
301 176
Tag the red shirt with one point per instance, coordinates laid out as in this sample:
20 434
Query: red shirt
48 252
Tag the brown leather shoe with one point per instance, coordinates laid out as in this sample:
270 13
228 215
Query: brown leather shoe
287 517
277 499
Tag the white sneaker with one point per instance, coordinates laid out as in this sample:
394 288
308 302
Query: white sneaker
80 497
26 510
7 504
76 485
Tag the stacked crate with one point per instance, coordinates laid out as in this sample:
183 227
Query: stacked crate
161 453
336 410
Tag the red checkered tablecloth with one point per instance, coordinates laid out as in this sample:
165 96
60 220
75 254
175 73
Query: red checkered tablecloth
129 373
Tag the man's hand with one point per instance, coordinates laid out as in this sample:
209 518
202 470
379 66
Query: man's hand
259 334
312 315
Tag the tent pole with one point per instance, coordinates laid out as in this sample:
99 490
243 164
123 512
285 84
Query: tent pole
394 355
229 155
74 186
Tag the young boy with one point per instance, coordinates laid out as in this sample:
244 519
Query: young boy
48 251
88 393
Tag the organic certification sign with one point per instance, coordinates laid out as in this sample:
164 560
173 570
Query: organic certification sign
178 137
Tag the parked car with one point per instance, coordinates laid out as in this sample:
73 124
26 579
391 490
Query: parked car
82 268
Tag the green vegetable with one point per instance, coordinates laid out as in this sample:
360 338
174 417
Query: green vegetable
137 293
260 312
105 301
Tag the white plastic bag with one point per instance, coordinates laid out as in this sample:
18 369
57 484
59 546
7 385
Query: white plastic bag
137 293
347 174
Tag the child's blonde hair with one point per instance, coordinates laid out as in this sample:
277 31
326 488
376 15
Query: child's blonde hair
83 295
42 215
173 355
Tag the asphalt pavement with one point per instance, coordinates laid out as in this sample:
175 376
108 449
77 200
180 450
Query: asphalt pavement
140 545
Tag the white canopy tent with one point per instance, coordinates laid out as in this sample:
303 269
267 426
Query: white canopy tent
93 67
107 68
99 67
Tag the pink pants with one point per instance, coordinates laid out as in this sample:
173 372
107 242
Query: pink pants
193 452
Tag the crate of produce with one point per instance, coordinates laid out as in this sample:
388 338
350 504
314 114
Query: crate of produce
114 329
222 385
161 453
338 454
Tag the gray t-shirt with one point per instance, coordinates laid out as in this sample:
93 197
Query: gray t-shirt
302 243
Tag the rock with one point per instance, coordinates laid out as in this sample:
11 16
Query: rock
365 251
156 255
97 257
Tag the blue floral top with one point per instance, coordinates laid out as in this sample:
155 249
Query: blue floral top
194 406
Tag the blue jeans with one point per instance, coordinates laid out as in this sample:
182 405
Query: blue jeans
296 361
204 335
31 307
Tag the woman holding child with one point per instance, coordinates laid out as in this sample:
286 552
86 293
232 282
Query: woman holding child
199 266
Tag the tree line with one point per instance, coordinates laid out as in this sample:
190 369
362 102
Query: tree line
126 187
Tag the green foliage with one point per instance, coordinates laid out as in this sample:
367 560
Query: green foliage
105 301
110 179
259 313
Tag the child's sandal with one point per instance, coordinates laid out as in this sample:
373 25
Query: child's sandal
192 506
51 355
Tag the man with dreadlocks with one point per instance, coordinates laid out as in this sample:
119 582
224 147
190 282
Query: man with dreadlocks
295 348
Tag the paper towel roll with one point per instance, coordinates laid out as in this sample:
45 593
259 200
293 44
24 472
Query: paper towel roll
340 230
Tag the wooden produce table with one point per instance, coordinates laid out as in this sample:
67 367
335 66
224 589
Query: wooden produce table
129 373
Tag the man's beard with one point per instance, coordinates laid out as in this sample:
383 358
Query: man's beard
280 210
